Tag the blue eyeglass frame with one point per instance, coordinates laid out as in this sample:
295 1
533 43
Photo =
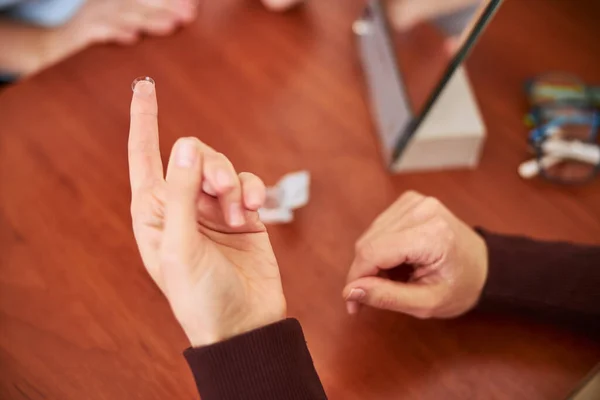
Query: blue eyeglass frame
539 134
590 96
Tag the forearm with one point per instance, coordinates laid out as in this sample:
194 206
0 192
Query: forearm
548 276
268 363
23 47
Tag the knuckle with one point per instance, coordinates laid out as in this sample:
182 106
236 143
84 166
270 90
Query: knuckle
213 160
431 205
364 250
250 178
221 157
426 208
193 139
224 161
359 243
410 195
442 230
440 225
186 139
381 218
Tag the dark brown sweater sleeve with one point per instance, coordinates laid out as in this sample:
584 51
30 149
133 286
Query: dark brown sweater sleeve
551 277
272 362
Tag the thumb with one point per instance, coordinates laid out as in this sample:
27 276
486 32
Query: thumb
415 299
184 181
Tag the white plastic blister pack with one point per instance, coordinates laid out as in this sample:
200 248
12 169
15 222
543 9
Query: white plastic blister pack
290 193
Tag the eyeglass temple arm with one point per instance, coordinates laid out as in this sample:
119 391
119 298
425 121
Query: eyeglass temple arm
574 150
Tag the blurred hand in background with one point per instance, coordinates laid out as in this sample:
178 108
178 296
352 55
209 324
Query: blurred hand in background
281 5
37 34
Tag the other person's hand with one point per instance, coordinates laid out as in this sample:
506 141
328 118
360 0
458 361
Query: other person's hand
281 5
448 257
199 234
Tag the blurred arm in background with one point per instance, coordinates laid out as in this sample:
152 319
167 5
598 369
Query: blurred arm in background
36 34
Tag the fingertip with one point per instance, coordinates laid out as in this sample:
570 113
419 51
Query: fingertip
144 104
208 188
222 181
188 13
356 294
352 307
254 198
254 192
281 5
143 86
353 297
186 152
218 173
236 215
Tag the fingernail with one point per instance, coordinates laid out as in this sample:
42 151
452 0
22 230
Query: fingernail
356 295
208 189
253 200
186 153
222 179
187 4
236 217
143 85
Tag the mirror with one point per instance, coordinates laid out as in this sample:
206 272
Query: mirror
410 50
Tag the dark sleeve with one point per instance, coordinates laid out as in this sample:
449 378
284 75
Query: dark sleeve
272 362
550 277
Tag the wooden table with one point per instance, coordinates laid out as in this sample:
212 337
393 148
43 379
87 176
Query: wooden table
79 317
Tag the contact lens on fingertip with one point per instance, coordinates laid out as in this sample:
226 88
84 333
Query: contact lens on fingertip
140 79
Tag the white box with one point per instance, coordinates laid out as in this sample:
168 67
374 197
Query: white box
452 134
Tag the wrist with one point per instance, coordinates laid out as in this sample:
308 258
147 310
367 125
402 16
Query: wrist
201 335
482 271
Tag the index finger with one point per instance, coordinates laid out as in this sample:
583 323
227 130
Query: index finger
418 246
145 165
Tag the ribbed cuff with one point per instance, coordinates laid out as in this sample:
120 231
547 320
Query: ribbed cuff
552 277
272 362
510 258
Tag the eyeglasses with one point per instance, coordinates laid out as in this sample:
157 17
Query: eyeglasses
565 121
561 88
566 147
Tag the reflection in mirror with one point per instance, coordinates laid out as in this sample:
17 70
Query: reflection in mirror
426 36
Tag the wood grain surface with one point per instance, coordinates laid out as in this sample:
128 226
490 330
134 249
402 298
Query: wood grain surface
79 317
